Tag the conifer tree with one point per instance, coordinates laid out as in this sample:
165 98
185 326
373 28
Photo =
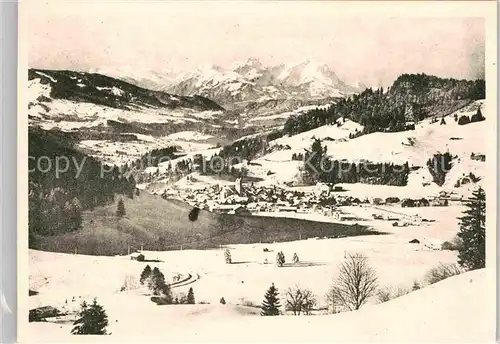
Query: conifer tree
271 304
471 254
92 319
120 209
463 120
158 285
280 259
146 273
190 297
227 256
478 116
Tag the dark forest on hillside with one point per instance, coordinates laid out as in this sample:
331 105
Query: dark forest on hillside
57 197
412 97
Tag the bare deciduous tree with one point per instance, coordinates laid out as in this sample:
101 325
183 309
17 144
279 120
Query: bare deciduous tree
387 294
333 305
356 282
442 271
300 300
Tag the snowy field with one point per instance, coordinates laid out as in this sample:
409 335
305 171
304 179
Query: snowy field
427 315
117 152
60 277
132 317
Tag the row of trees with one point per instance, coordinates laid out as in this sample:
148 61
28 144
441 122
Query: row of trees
155 281
280 258
297 300
173 173
355 284
477 117
320 168
244 149
155 156
412 97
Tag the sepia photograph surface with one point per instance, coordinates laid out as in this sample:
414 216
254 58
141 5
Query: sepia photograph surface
257 171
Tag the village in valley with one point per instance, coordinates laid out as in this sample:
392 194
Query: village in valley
324 199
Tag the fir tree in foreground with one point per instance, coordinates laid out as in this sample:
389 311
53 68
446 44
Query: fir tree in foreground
190 297
92 319
471 253
120 209
271 304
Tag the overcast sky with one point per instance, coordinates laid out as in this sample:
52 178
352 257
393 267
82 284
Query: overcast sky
180 37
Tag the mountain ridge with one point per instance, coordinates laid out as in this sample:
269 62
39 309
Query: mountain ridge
248 80
116 93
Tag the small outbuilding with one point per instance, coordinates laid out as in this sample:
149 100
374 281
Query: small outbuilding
137 256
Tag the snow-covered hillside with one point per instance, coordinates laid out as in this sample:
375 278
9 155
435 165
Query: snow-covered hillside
413 146
145 77
118 122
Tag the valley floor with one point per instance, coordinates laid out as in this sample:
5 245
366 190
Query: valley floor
64 280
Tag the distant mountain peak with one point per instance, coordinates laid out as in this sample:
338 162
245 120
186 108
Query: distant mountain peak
251 62
246 80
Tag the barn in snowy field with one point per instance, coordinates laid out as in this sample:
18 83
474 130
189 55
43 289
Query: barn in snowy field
137 256
409 125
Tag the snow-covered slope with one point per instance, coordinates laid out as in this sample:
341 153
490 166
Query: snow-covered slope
117 121
144 77
458 309
413 146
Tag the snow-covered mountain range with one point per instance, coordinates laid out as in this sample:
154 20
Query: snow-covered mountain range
246 81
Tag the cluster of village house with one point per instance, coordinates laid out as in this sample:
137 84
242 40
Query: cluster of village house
243 199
